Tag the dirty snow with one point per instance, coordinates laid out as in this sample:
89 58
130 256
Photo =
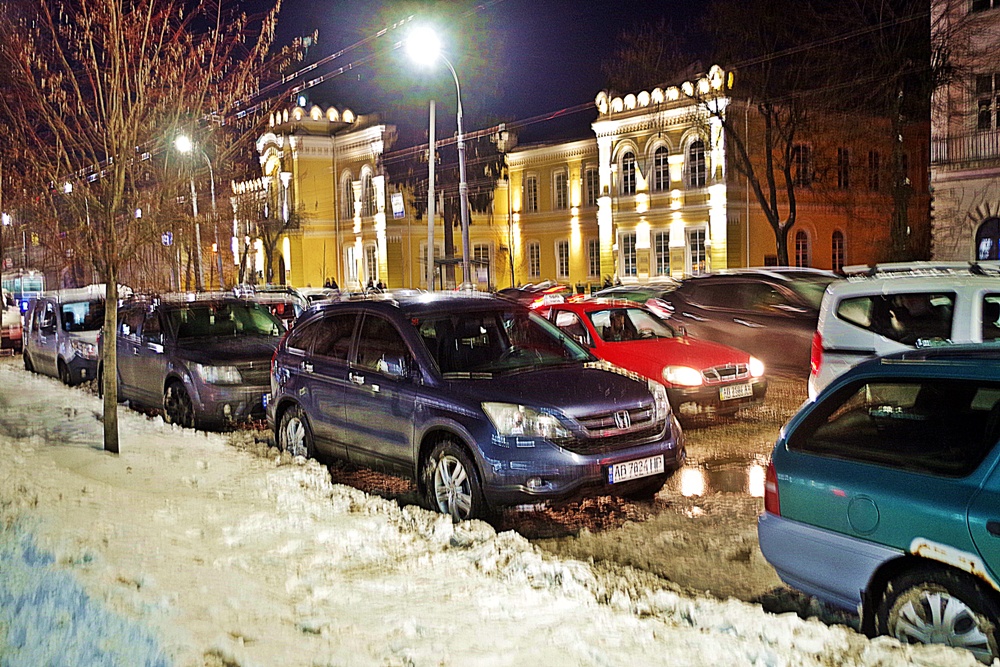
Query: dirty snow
184 550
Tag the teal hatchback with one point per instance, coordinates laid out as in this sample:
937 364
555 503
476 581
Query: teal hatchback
883 496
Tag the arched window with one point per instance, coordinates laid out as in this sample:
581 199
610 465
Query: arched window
661 170
367 195
988 240
837 251
347 198
697 171
801 249
628 173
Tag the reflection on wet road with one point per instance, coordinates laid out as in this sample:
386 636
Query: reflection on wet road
722 475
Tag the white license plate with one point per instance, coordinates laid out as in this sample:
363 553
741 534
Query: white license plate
735 391
623 472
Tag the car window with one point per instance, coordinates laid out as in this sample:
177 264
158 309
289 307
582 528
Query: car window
381 348
332 336
129 322
571 324
152 331
938 427
760 297
626 324
223 319
909 318
991 317
811 289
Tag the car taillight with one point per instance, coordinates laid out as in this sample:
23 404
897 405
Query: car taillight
816 355
771 503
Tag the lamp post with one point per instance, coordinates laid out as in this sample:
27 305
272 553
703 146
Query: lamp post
184 144
423 46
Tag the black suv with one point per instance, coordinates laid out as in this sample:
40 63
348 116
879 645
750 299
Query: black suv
479 399
205 359
770 313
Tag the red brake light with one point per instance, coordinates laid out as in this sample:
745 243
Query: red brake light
771 503
816 354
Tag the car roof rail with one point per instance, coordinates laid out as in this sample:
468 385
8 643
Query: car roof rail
921 268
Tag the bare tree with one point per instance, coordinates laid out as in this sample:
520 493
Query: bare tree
97 87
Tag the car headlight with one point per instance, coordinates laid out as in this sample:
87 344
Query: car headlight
219 374
510 419
660 401
683 376
756 367
84 349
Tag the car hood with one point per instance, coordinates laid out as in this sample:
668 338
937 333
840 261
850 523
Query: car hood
575 390
681 351
228 349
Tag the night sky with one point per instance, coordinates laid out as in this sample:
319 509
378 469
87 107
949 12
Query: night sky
515 59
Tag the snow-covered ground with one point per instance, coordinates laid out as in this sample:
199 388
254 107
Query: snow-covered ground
185 550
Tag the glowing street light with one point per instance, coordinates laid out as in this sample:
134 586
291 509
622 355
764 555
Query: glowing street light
424 47
184 145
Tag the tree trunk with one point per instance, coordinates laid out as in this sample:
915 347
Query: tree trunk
109 361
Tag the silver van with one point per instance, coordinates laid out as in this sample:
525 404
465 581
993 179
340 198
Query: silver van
896 307
61 329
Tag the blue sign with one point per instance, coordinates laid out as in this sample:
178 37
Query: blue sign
168 238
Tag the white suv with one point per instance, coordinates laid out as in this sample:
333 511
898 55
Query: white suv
895 307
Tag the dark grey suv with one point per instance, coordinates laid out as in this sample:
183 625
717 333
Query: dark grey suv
479 399
204 359
770 313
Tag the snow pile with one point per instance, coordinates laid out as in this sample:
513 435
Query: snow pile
195 550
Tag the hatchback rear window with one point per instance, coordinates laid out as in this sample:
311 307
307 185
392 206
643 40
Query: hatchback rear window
937 427
910 318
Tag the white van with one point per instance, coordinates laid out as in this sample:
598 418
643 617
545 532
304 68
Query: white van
10 326
61 333
894 307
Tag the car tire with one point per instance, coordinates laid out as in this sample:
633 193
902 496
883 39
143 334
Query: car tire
64 375
294 433
451 483
177 406
913 605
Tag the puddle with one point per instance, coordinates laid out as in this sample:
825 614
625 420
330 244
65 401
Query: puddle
722 475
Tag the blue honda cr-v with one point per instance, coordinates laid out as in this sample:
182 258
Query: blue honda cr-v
883 495
480 400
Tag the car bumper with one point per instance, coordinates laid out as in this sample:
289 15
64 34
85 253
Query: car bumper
10 337
221 404
546 473
830 566
81 370
708 398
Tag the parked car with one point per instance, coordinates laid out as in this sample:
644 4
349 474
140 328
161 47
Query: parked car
481 401
61 333
313 294
700 376
652 294
894 307
203 359
883 494
10 325
285 303
770 313
538 294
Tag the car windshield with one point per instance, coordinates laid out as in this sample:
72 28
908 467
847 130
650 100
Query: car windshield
484 343
811 289
83 315
615 325
198 320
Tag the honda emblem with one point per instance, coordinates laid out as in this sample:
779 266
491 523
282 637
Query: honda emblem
623 420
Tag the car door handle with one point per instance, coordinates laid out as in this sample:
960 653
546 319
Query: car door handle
752 325
306 366
692 316
993 528
356 379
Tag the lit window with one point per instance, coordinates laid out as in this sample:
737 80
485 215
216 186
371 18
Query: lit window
531 194
347 203
560 190
628 174
593 184
698 251
628 259
594 258
696 168
661 170
367 195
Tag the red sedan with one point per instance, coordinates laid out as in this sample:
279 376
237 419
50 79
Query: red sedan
700 376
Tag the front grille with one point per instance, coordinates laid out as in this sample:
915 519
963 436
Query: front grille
727 373
255 373
603 432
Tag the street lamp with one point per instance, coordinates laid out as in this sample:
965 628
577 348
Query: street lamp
424 47
184 144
